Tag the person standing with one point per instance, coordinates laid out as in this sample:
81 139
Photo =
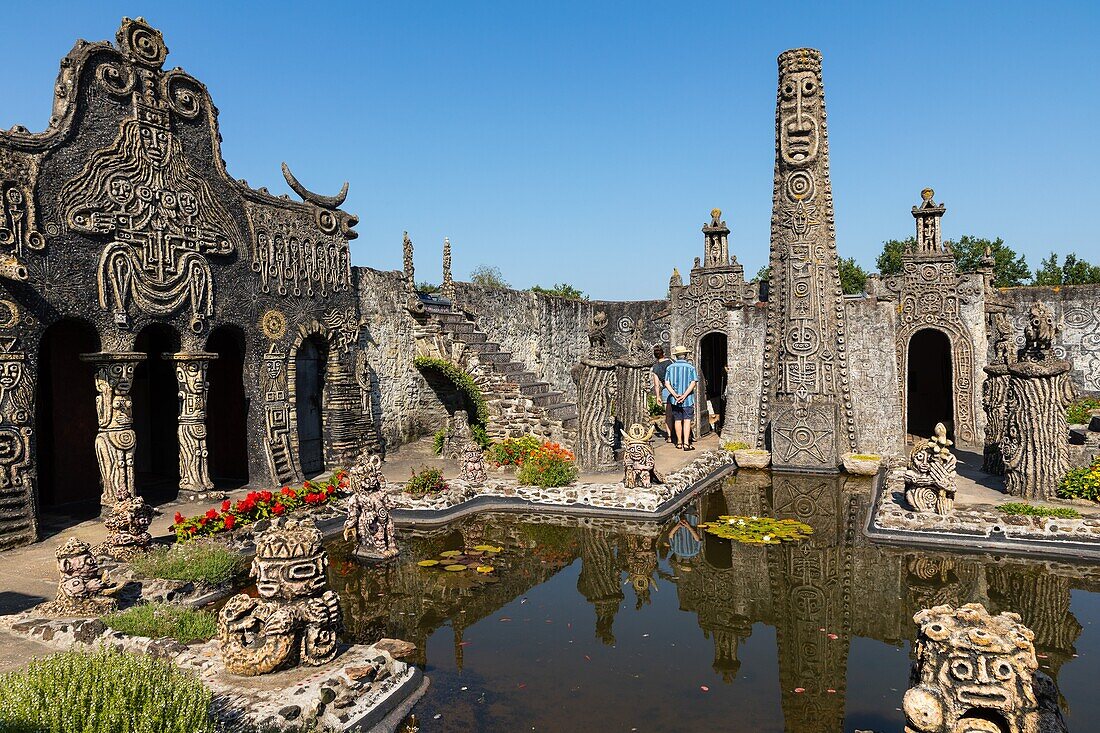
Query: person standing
680 381
657 377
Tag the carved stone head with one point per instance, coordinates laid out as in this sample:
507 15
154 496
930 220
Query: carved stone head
79 571
290 562
800 106
366 475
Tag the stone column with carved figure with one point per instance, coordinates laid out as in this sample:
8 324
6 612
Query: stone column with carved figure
632 378
806 412
191 371
596 397
116 440
1035 444
447 286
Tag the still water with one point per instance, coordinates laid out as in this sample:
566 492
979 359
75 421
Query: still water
612 626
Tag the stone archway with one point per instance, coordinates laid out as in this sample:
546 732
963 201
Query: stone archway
66 424
929 383
156 415
227 409
310 367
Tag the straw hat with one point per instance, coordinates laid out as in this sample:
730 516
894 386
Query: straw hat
680 351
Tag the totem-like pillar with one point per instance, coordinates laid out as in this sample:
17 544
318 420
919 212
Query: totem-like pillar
716 238
596 397
928 217
1035 445
115 442
412 298
447 287
994 394
977 672
191 370
632 381
806 414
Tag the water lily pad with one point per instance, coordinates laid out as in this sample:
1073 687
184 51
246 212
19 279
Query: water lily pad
428 563
450 553
758 530
454 568
488 548
485 568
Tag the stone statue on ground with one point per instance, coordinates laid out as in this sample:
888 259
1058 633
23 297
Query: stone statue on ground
82 590
930 477
296 618
128 529
639 468
369 524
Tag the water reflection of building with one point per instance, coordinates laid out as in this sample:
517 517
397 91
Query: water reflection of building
601 568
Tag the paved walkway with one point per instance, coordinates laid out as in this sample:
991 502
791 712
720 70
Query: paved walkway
975 486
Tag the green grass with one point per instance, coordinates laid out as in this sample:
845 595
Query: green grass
1030 510
159 620
197 561
103 692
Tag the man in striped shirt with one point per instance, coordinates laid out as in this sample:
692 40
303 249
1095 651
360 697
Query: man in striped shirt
679 394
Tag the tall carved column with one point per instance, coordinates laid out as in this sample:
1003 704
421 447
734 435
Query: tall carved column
806 405
1035 445
194 457
596 397
632 381
115 442
447 287
994 394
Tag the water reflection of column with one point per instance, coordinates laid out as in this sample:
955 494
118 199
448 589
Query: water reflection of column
115 442
599 582
194 456
1043 601
811 591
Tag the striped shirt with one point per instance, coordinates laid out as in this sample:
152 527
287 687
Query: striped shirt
679 375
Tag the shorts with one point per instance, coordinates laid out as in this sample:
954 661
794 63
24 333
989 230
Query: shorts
682 412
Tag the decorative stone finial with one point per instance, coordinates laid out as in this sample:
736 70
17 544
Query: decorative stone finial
930 478
638 462
928 215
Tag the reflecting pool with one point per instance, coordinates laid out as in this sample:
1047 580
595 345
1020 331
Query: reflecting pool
618 626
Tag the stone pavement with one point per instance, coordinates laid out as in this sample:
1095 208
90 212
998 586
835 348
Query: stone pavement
975 486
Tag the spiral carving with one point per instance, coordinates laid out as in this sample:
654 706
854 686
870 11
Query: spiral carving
182 94
116 78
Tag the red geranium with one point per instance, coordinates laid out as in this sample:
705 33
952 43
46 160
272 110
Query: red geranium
278 509
230 520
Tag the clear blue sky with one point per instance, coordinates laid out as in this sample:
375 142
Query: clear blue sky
585 142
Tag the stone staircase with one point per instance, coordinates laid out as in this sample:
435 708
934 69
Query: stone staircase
519 402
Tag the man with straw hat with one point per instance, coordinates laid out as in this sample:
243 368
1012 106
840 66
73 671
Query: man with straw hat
679 394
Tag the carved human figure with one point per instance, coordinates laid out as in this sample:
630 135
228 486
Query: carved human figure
115 442
128 529
369 524
930 477
597 336
472 463
1039 334
296 618
81 590
638 461
977 673
191 372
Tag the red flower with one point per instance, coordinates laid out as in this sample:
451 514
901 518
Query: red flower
330 490
265 496
203 521
307 485
230 520
211 514
179 518
252 496
192 529
225 505
278 508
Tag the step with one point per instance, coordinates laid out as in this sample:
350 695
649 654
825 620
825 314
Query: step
546 399
533 388
496 358
562 410
517 377
473 338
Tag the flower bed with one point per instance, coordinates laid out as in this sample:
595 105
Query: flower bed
1081 483
513 451
549 465
428 481
258 505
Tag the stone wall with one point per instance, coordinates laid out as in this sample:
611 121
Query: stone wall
549 334
872 325
745 331
1078 308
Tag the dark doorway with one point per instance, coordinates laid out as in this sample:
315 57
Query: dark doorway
227 410
712 368
309 381
156 415
66 423
928 397
717 551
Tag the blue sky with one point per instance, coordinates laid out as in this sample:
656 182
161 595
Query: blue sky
587 142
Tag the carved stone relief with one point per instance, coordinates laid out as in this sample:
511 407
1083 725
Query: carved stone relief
191 377
116 440
293 257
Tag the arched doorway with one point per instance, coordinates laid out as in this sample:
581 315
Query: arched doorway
66 422
712 369
309 383
227 409
156 415
929 397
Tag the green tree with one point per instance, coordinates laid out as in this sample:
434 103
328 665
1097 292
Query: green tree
562 290
426 287
763 273
1074 271
853 278
1009 268
889 262
488 277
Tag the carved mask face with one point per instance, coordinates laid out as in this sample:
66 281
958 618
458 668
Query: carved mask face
980 680
78 566
121 376
10 373
289 578
192 374
799 137
154 143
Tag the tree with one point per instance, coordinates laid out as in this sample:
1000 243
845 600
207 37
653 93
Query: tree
853 278
1009 268
426 287
561 290
1073 272
488 277
763 273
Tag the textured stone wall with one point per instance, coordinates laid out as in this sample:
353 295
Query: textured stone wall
875 396
745 332
1078 307
548 334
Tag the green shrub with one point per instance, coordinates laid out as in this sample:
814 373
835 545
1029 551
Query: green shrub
513 451
103 692
653 407
160 620
561 290
1030 510
476 432
198 561
735 445
428 481
1078 412
461 380
1081 483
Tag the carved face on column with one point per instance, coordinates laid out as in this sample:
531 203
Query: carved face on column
799 114
11 372
80 576
191 376
120 376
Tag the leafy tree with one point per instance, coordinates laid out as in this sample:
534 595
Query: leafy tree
426 287
763 273
562 290
488 277
1073 272
1009 268
853 278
